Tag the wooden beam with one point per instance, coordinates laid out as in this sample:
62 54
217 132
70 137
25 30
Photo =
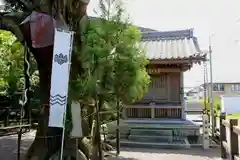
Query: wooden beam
169 88
233 138
161 70
223 136
154 106
177 61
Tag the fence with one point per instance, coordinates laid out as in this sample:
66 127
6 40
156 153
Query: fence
10 121
229 137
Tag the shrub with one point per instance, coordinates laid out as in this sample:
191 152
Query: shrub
217 105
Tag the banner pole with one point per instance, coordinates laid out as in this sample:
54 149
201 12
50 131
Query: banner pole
77 149
63 136
65 109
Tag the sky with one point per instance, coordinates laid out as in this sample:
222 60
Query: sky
219 20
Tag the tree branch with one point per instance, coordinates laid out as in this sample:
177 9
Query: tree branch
27 4
11 21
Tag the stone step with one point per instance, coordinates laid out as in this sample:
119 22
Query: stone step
145 138
162 145
150 127
151 132
140 138
164 132
160 125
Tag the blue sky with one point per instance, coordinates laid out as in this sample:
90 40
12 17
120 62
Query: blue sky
221 19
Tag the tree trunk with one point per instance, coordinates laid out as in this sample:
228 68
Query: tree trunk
48 140
96 139
44 148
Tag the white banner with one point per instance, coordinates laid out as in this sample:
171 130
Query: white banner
60 77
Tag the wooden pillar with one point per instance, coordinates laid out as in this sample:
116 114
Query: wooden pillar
233 138
222 135
181 94
206 142
124 113
152 112
169 86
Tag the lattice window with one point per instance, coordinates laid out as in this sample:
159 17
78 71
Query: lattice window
235 87
218 87
158 81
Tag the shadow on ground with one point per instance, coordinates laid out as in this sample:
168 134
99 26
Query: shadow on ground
8 146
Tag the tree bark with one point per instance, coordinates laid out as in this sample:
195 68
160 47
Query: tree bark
47 139
97 153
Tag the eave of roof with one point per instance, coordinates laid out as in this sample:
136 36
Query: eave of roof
233 82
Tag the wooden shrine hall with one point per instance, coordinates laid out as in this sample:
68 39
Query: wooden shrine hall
170 54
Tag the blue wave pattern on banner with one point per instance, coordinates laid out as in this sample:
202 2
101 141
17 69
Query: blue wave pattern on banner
58 99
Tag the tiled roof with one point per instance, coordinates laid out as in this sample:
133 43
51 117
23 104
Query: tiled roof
179 44
142 29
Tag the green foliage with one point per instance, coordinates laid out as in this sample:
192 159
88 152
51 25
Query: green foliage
113 67
12 64
112 64
217 105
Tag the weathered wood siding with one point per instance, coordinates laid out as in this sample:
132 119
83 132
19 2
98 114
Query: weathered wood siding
164 87
174 87
158 87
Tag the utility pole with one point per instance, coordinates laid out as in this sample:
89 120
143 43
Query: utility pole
211 84
205 85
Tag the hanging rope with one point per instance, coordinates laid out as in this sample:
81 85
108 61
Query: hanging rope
27 77
25 94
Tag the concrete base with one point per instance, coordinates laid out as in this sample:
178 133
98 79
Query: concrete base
159 145
159 133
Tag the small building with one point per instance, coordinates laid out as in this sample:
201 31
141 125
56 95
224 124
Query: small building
223 88
219 89
159 118
170 53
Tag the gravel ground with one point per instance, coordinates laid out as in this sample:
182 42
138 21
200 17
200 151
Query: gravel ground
8 151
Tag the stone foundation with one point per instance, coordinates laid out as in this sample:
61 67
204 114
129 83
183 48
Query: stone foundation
166 132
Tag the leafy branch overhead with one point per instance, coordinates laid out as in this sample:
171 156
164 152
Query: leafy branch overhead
11 63
112 62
